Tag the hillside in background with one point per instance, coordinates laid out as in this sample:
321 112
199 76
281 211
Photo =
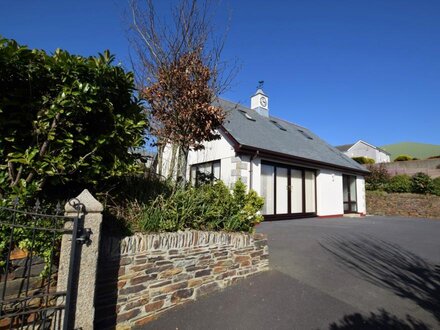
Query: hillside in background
418 150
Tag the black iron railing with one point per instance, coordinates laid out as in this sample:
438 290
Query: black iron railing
29 259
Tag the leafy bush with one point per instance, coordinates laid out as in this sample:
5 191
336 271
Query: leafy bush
64 118
378 177
403 158
207 207
399 184
364 160
422 183
436 184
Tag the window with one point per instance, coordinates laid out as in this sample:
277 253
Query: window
205 172
305 134
246 115
277 124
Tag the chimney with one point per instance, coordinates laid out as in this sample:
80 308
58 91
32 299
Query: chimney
260 103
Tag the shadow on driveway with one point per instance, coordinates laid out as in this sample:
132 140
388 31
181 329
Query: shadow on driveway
389 266
375 321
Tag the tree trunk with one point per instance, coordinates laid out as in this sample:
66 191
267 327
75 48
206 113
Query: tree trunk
172 169
181 166
159 160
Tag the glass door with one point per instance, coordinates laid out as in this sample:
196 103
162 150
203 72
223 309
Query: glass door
282 191
349 193
296 191
287 190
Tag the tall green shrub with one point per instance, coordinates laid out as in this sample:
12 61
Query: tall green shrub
399 184
422 183
64 118
436 183
378 177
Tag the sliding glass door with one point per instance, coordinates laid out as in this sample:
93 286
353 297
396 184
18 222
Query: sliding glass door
349 193
287 191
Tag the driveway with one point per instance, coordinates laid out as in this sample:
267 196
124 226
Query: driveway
342 273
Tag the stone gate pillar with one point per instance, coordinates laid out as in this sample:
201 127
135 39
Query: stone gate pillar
86 261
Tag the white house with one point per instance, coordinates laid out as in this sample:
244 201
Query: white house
364 149
298 174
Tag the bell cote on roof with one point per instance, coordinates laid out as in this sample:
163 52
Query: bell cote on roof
260 103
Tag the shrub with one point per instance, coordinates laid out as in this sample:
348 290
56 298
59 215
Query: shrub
403 158
378 177
399 184
436 184
64 119
208 207
422 183
364 160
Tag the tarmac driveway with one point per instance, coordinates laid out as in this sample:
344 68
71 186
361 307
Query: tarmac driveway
343 273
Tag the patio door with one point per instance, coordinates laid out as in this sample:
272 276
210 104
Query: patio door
349 193
288 191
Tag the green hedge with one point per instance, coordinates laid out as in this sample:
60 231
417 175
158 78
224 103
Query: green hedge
403 158
364 160
401 183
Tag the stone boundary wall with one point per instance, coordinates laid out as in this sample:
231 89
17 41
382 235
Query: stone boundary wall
408 205
411 167
142 276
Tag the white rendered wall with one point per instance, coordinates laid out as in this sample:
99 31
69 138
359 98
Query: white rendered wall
361 149
255 174
360 189
329 193
214 150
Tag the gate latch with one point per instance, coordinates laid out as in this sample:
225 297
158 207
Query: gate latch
84 236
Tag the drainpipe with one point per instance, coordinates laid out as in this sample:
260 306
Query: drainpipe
251 169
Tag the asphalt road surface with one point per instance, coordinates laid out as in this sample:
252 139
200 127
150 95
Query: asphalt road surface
342 273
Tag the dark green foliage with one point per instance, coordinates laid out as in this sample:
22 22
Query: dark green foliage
66 123
436 184
378 177
207 207
64 119
399 184
364 160
422 183
403 158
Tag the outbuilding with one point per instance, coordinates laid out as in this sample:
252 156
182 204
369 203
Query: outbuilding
298 174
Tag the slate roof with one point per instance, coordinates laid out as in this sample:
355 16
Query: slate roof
260 132
344 147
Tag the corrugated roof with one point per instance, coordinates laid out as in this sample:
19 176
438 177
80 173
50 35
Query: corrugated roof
261 132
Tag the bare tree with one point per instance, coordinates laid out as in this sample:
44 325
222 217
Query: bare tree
179 71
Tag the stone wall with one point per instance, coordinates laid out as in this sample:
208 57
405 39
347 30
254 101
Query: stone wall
408 205
144 275
411 167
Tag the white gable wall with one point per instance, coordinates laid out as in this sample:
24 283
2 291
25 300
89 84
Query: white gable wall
362 149
216 150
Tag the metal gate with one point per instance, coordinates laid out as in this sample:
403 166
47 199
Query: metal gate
29 257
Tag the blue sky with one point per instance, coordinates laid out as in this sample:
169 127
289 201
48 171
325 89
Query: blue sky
346 69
